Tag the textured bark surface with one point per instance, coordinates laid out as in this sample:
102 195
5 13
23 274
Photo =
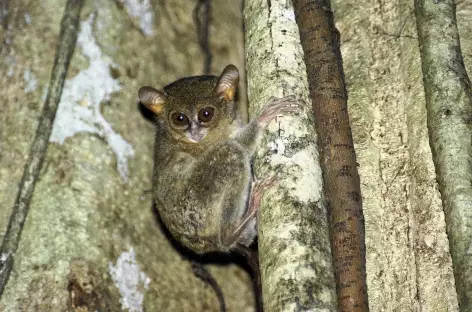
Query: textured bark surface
448 93
320 41
91 239
408 261
294 249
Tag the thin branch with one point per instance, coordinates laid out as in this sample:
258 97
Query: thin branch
320 42
64 51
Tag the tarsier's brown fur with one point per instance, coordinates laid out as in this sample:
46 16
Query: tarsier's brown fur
202 182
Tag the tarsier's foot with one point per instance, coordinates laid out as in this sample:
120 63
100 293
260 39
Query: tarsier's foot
258 189
286 105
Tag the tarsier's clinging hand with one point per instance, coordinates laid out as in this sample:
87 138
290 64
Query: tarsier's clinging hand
202 182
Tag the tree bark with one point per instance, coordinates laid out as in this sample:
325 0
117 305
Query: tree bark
320 41
448 93
294 250
408 260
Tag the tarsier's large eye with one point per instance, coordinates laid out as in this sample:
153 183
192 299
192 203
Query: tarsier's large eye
179 119
206 114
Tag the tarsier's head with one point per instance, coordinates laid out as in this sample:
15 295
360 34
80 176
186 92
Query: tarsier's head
191 107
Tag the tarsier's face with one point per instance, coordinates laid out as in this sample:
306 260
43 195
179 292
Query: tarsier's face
193 124
193 108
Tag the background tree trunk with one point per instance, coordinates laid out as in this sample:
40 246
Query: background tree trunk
408 261
448 92
91 233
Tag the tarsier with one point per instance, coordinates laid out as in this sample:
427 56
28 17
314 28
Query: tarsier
203 186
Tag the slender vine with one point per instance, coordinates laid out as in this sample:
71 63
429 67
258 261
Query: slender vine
64 50
202 17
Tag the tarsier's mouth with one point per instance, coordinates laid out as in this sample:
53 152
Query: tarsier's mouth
193 140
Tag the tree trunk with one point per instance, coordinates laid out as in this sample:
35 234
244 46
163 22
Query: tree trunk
91 240
448 92
294 248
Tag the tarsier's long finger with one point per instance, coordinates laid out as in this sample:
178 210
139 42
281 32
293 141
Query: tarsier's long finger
281 106
266 184
287 109
276 107
289 98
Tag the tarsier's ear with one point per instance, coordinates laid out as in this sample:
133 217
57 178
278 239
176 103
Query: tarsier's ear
228 83
153 99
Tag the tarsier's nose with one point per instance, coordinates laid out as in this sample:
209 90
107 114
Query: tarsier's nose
195 133
194 127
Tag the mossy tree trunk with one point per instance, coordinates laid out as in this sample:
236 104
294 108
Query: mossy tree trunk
409 266
294 248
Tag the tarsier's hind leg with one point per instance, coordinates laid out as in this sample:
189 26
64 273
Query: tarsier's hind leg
220 187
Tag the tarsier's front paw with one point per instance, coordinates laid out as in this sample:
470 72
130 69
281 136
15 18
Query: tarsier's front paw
279 106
